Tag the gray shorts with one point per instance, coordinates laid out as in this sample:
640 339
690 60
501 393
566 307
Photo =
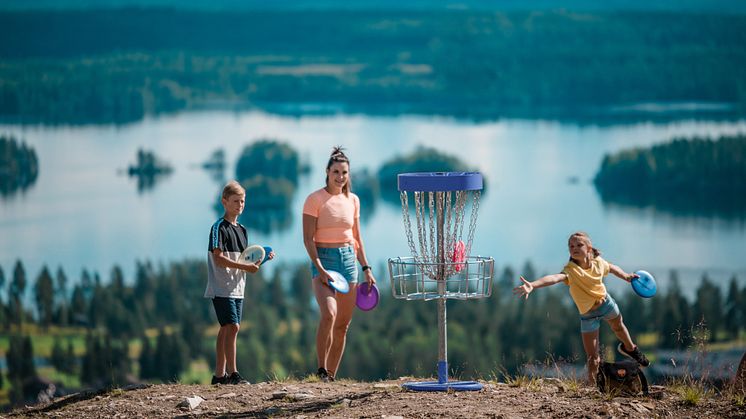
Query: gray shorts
591 320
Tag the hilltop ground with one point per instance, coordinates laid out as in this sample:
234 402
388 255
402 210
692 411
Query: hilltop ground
308 399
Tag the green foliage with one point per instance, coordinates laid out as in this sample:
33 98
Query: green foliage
477 64
698 176
19 166
277 337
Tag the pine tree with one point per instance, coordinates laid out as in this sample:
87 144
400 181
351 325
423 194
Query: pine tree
79 307
146 359
16 293
89 365
62 310
71 363
708 306
733 314
277 294
300 291
44 295
676 328
192 335
163 352
145 292
3 315
59 356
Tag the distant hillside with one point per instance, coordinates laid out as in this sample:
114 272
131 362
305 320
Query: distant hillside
120 65
716 6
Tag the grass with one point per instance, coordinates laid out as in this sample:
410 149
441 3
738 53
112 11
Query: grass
517 380
311 378
739 400
691 392
573 385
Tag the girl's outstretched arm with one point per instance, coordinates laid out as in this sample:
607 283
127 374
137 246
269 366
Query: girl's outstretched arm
525 289
617 271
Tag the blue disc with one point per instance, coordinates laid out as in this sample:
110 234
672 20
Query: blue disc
644 286
267 249
440 181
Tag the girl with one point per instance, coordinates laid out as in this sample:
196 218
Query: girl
331 235
584 275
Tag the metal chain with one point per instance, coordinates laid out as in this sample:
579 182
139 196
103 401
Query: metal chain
473 221
454 213
407 223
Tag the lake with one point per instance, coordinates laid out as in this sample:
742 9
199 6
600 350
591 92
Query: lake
83 213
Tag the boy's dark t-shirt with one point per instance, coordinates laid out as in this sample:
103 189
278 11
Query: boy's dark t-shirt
231 240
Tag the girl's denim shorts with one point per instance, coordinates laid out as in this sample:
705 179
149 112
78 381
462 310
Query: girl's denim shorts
591 320
340 259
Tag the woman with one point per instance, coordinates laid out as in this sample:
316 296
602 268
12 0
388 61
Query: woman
331 234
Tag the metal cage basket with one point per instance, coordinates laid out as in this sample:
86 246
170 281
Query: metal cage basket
471 279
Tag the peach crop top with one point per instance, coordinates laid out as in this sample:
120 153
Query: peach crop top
335 215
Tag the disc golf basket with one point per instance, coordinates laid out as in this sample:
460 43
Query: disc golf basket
440 266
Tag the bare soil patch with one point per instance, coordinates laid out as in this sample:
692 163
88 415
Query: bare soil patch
345 399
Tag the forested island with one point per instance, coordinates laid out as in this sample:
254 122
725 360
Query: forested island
698 176
116 66
19 166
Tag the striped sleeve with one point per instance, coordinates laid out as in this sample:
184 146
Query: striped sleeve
215 237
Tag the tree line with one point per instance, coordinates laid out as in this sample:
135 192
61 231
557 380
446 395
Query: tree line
152 326
104 66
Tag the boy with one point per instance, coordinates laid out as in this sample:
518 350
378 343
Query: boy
226 277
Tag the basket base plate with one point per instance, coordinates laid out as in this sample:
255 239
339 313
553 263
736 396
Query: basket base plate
438 386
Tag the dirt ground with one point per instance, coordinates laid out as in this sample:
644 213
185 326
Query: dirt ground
384 399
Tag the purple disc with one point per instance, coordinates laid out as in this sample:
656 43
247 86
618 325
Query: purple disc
367 298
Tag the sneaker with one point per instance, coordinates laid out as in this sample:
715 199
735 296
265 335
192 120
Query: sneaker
323 375
235 378
219 380
634 354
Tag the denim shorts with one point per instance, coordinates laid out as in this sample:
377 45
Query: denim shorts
228 310
591 320
340 259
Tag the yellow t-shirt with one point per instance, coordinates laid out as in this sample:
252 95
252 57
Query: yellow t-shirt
586 285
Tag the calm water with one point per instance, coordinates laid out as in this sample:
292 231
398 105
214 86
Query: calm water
81 213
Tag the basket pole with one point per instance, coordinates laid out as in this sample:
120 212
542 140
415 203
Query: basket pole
442 318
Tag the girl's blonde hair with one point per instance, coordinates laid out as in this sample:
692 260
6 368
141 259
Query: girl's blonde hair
338 156
233 188
585 238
